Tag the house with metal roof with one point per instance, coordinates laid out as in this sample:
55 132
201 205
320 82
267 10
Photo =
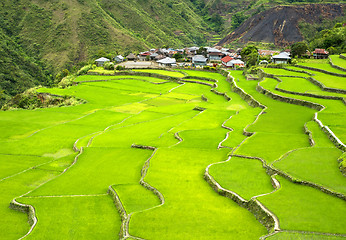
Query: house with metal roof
101 61
167 62
214 54
281 58
119 58
199 60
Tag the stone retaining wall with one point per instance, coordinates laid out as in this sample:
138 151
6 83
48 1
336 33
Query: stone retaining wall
123 229
262 214
310 95
309 133
339 144
274 96
335 66
246 97
221 94
327 89
200 78
322 71
202 83
271 171
24 208
342 56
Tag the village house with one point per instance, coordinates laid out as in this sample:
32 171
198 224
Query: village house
131 57
167 62
214 54
320 53
193 50
101 61
267 52
159 57
234 55
153 56
199 60
226 61
237 63
144 56
119 58
281 58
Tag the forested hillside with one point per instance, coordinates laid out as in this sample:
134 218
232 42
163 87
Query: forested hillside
18 71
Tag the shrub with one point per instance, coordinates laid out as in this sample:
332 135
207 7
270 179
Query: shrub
85 69
119 68
108 66
66 81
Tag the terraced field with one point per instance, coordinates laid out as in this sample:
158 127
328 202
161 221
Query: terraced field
183 154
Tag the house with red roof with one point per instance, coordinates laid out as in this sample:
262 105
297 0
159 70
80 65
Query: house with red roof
226 61
320 53
144 56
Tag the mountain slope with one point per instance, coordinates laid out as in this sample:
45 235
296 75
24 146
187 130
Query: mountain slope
69 31
17 70
279 25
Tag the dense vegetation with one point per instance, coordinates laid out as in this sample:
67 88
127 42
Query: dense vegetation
18 71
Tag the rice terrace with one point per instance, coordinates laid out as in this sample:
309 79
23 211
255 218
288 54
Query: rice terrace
181 154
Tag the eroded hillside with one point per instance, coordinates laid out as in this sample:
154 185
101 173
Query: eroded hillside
279 25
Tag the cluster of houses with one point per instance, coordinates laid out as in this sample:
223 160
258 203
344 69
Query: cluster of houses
165 57
208 55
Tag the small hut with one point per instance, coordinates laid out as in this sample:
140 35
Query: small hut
131 57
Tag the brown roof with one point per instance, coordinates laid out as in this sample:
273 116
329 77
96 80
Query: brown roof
216 53
320 51
267 52
131 56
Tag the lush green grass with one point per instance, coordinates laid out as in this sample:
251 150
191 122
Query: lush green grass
302 85
304 208
322 64
320 138
279 129
303 236
332 115
246 177
280 71
327 79
336 60
101 70
162 72
318 165
136 198
87 217
193 210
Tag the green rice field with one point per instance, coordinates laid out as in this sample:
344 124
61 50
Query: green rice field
151 158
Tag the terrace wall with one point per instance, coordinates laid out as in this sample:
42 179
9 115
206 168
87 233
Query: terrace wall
322 71
335 66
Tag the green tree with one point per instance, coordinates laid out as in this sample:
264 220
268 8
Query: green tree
202 51
177 56
250 55
238 19
299 49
